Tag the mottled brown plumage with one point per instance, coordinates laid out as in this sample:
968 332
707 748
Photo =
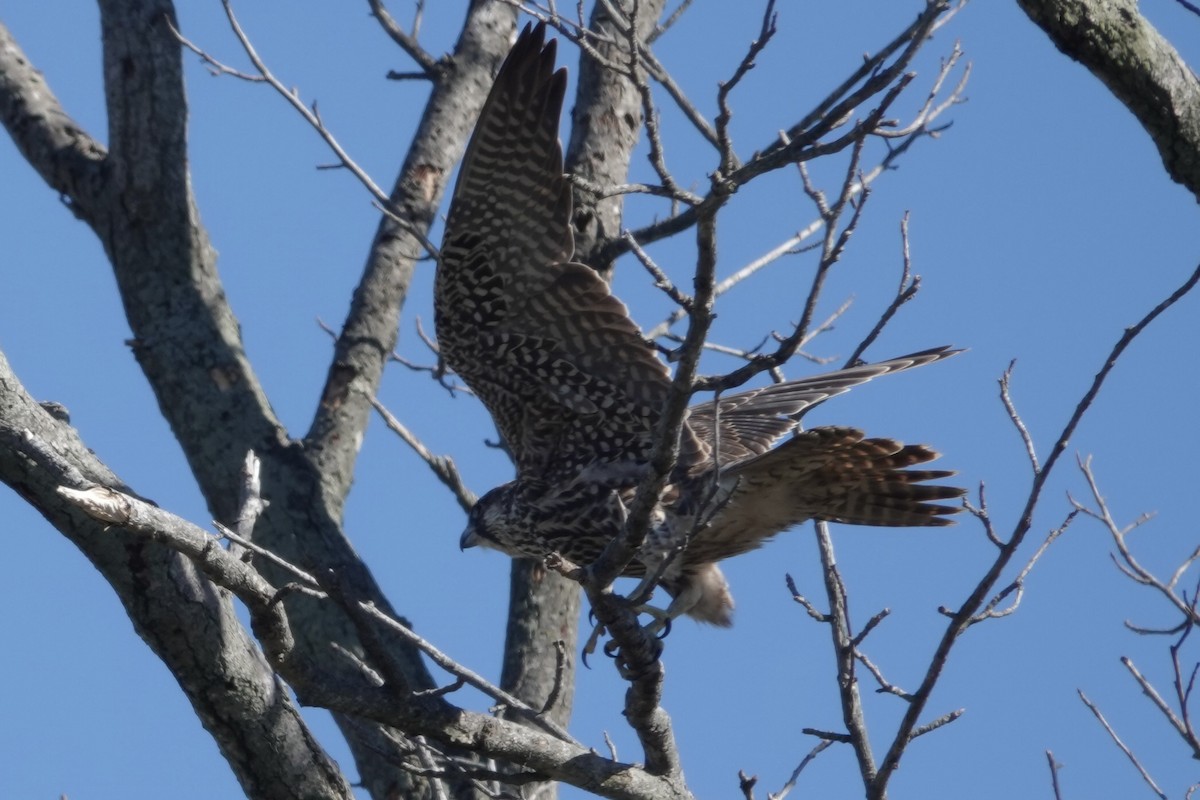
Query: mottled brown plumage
554 356
577 393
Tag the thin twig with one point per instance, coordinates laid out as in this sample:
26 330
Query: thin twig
729 159
961 619
408 43
426 756
885 686
214 66
1054 766
802 141
650 117
909 286
313 118
661 281
943 720
833 246
1018 583
804 762
980 512
786 247
611 745
442 466
666 25
746 783
839 615
1120 744
248 544
1156 698
803 601
829 736
470 676
1127 562
870 626
1015 418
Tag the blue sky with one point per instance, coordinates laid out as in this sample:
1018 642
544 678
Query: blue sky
1042 224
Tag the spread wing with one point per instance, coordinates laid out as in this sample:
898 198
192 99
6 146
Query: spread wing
752 422
554 356
828 473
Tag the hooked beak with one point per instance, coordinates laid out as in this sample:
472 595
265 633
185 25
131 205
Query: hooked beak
468 538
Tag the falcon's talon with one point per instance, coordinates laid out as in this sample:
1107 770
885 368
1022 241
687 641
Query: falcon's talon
589 646
660 624
577 393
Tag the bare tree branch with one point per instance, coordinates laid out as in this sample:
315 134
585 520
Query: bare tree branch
909 286
802 141
1139 66
1123 747
407 42
843 648
442 466
427 714
1129 563
192 627
1054 765
68 159
961 619
795 776
369 332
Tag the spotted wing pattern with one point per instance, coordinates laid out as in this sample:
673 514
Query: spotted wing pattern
554 356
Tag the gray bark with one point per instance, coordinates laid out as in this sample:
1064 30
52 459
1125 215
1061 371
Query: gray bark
605 124
187 621
1139 66
137 198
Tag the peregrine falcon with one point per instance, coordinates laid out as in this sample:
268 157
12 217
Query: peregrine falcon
577 392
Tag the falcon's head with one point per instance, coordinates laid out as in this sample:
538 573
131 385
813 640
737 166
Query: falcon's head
489 521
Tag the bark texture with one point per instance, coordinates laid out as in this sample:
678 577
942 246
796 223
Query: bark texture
137 198
605 124
187 621
1139 66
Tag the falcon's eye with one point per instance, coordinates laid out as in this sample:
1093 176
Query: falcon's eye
478 523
